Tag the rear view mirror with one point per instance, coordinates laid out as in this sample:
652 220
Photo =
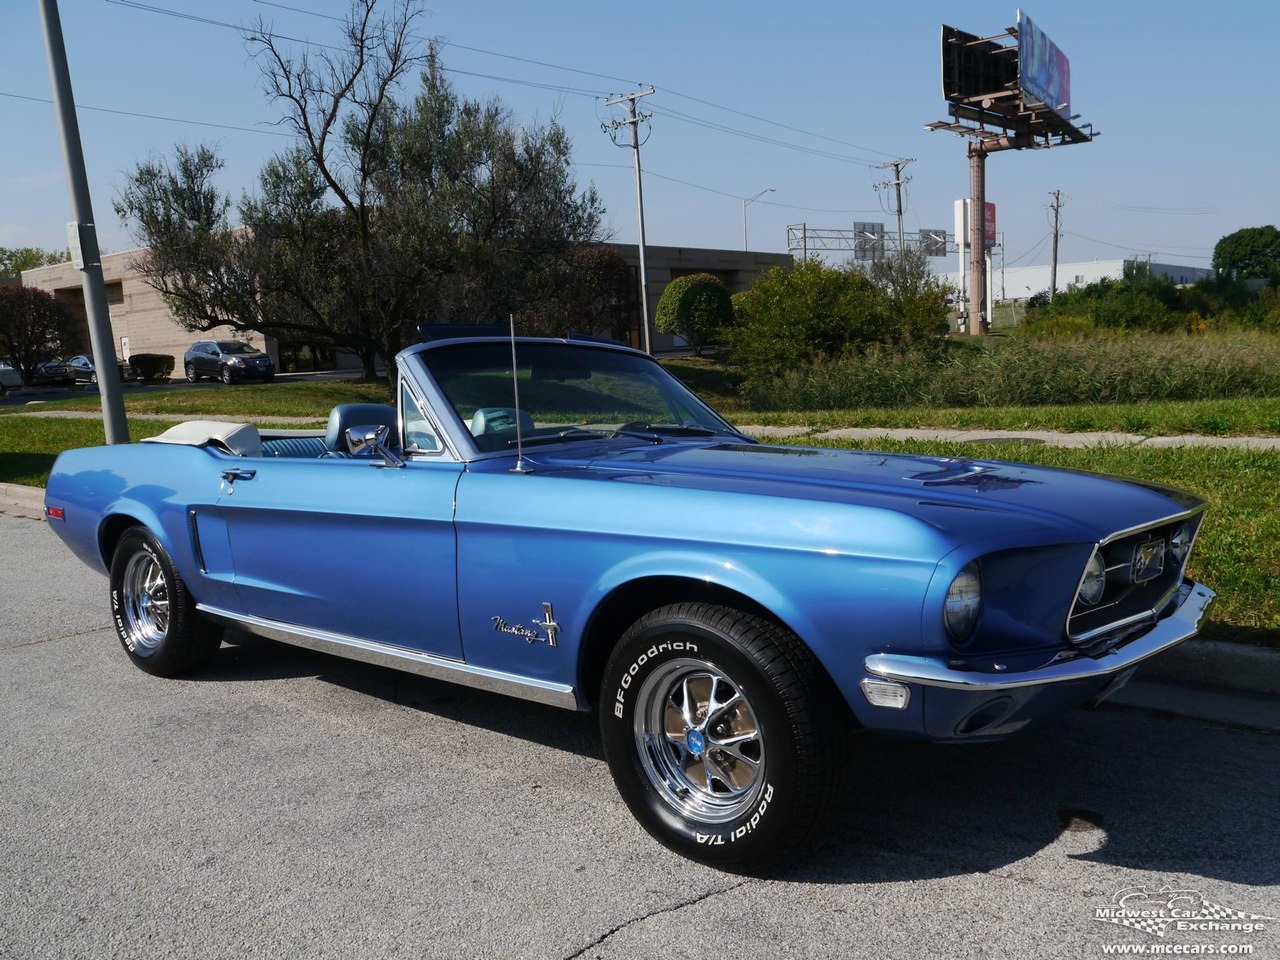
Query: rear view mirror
372 438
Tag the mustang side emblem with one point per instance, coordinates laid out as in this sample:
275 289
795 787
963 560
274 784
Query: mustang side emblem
547 623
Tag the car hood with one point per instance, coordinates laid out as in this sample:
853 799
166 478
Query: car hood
978 495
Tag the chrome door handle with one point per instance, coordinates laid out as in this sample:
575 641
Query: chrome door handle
237 473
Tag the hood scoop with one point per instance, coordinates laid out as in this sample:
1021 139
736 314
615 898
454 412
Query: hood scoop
966 473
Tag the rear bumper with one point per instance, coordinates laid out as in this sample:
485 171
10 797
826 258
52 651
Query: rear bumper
1193 603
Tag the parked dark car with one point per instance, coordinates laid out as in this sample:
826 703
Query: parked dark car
82 370
51 372
228 361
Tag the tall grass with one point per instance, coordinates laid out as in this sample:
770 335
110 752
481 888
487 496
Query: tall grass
1021 371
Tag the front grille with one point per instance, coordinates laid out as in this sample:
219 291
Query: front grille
1130 556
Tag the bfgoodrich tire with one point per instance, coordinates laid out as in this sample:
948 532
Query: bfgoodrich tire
724 735
154 614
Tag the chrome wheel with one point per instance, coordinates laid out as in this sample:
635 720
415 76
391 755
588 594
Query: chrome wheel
699 741
144 601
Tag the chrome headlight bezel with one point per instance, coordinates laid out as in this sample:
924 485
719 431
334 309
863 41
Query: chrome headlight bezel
962 606
1094 582
1180 543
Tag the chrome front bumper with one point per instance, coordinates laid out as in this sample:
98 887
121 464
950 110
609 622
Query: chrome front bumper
1184 623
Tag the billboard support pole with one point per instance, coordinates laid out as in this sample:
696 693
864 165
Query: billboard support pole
977 236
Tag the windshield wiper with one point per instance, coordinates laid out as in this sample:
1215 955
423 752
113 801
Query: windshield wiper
572 433
656 431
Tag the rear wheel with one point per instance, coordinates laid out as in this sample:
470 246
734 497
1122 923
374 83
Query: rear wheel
192 376
723 733
155 616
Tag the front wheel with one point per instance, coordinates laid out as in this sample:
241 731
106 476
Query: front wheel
226 374
725 736
155 617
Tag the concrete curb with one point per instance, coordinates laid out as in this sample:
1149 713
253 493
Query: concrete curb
30 498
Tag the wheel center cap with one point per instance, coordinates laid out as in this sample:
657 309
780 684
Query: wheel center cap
695 742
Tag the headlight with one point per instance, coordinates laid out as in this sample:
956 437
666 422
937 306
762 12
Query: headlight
235 361
1180 543
1095 580
963 604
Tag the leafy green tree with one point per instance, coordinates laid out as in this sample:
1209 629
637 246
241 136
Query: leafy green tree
914 300
593 291
34 327
789 318
1249 254
696 307
385 215
13 260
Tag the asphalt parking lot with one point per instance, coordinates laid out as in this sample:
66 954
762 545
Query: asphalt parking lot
286 803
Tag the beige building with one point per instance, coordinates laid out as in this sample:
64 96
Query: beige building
141 323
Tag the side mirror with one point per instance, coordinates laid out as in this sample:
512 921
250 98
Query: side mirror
372 438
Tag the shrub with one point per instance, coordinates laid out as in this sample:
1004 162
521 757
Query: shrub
793 317
697 307
151 366
1025 371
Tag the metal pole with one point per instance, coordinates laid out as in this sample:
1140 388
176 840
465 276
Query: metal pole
1053 270
644 277
977 237
115 426
745 201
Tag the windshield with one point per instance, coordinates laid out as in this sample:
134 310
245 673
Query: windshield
567 391
236 346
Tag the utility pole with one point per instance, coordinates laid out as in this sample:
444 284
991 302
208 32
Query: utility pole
977 235
82 234
1056 207
897 183
634 121
745 202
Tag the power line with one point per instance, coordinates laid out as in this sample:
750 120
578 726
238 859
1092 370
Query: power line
1131 249
1030 252
154 116
605 76
1138 208
759 138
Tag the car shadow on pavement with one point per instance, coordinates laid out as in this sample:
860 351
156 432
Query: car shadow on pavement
1115 786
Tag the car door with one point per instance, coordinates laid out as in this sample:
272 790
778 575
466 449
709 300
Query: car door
347 547
207 360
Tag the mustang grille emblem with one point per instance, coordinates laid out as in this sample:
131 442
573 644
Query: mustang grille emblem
547 623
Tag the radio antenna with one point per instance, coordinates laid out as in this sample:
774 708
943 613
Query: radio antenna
515 389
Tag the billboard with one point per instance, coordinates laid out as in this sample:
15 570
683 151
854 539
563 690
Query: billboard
1044 72
989 235
973 68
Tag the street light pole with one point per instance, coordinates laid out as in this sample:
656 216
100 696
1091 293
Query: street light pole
83 235
745 201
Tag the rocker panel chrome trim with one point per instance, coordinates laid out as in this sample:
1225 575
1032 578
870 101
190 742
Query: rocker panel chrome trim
400 658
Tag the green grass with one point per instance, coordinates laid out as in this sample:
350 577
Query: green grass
1238 549
1241 417
29 445
313 399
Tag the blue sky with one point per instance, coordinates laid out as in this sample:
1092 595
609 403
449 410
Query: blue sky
1184 94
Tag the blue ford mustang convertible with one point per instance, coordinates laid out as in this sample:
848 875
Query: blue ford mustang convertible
561 520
